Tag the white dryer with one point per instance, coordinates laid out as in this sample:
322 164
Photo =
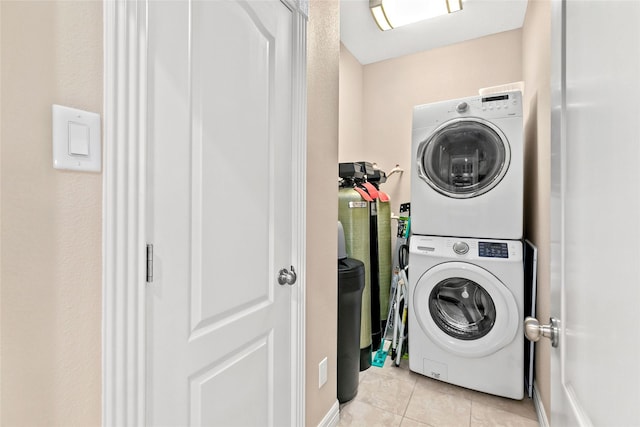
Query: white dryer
467 176
466 299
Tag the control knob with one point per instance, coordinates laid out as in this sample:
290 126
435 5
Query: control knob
460 248
462 107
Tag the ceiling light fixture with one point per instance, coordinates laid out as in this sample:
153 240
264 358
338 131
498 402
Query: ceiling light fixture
390 14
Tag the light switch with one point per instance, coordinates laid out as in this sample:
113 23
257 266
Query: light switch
76 139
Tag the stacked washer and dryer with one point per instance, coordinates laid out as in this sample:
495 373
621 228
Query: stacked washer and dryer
466 280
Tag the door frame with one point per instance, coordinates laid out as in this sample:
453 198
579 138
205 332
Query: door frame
125 210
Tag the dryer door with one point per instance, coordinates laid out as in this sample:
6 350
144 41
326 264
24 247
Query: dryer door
464 158
465 309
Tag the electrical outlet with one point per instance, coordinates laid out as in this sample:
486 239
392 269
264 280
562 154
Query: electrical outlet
322 372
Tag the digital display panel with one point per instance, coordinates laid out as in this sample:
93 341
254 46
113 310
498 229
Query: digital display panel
493 250
495 98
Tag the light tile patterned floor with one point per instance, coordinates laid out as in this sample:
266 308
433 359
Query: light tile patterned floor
396 397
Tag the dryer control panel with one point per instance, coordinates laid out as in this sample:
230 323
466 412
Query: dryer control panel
495 106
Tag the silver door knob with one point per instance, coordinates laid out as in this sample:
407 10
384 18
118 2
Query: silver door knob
533 330
286 277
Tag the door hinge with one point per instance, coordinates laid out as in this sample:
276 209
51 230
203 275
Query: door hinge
149 263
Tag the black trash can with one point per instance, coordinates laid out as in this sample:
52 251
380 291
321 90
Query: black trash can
350 286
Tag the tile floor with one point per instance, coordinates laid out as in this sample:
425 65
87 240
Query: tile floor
396 397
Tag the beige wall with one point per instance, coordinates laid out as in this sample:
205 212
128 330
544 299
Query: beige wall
391 88
536 45
51 220
351 80
322 204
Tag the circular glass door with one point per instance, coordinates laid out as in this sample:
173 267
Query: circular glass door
462 308
465 309
464 158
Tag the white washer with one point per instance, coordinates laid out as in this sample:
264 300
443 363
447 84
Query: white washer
466 299
467 176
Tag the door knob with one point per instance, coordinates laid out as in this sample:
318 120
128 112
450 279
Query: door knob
286 277
533 330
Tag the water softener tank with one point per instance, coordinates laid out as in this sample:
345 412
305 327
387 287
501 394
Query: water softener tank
350 286
380 235
384 254
353 213
376 325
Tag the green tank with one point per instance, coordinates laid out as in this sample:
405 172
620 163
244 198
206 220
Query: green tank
353 213
384 256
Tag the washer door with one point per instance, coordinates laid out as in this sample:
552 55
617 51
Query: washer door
464 158
465 310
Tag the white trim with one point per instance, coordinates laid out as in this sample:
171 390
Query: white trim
300 7
124 254
543 420
299 237
332 417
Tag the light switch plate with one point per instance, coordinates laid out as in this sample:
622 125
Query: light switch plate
76 139
322 373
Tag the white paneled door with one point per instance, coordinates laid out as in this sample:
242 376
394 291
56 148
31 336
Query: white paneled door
595 271
221 213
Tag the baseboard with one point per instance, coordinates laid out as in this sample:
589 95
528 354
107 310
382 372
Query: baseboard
332 417
543 420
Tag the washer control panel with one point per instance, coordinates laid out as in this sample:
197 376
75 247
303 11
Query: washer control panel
466 249
493 250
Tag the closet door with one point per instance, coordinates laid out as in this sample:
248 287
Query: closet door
220 213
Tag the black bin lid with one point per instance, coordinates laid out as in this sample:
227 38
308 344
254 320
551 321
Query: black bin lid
350 274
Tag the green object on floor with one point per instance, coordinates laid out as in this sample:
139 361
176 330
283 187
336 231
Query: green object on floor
381 355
